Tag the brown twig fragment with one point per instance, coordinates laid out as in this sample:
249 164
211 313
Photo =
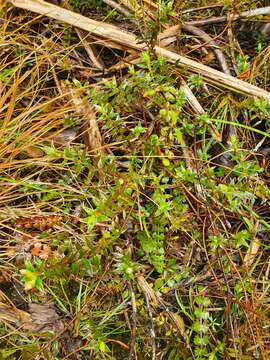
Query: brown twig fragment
235 17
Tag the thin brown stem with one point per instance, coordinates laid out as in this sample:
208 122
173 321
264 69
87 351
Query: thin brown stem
235 17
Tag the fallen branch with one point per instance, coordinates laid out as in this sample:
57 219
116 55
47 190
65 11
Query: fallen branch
114 34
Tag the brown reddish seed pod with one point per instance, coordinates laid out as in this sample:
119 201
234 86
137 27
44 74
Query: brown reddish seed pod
38 222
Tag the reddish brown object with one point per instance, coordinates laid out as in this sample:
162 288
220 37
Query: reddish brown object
42 251
38 222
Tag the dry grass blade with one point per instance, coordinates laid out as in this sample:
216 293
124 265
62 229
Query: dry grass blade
169 35
215 77
104 30
114 34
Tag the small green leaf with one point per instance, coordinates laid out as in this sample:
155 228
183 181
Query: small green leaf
166 162
29 279
39 284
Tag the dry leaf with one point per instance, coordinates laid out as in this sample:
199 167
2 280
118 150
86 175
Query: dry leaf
44 318
252 252
148 291
34 152
41 318
38 318
178 322
43 251
64 137
89 131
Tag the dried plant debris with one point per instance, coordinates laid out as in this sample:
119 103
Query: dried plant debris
41 320
42 251
38 318
129 40
64 137
44 318
83 108
38 222
137 166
